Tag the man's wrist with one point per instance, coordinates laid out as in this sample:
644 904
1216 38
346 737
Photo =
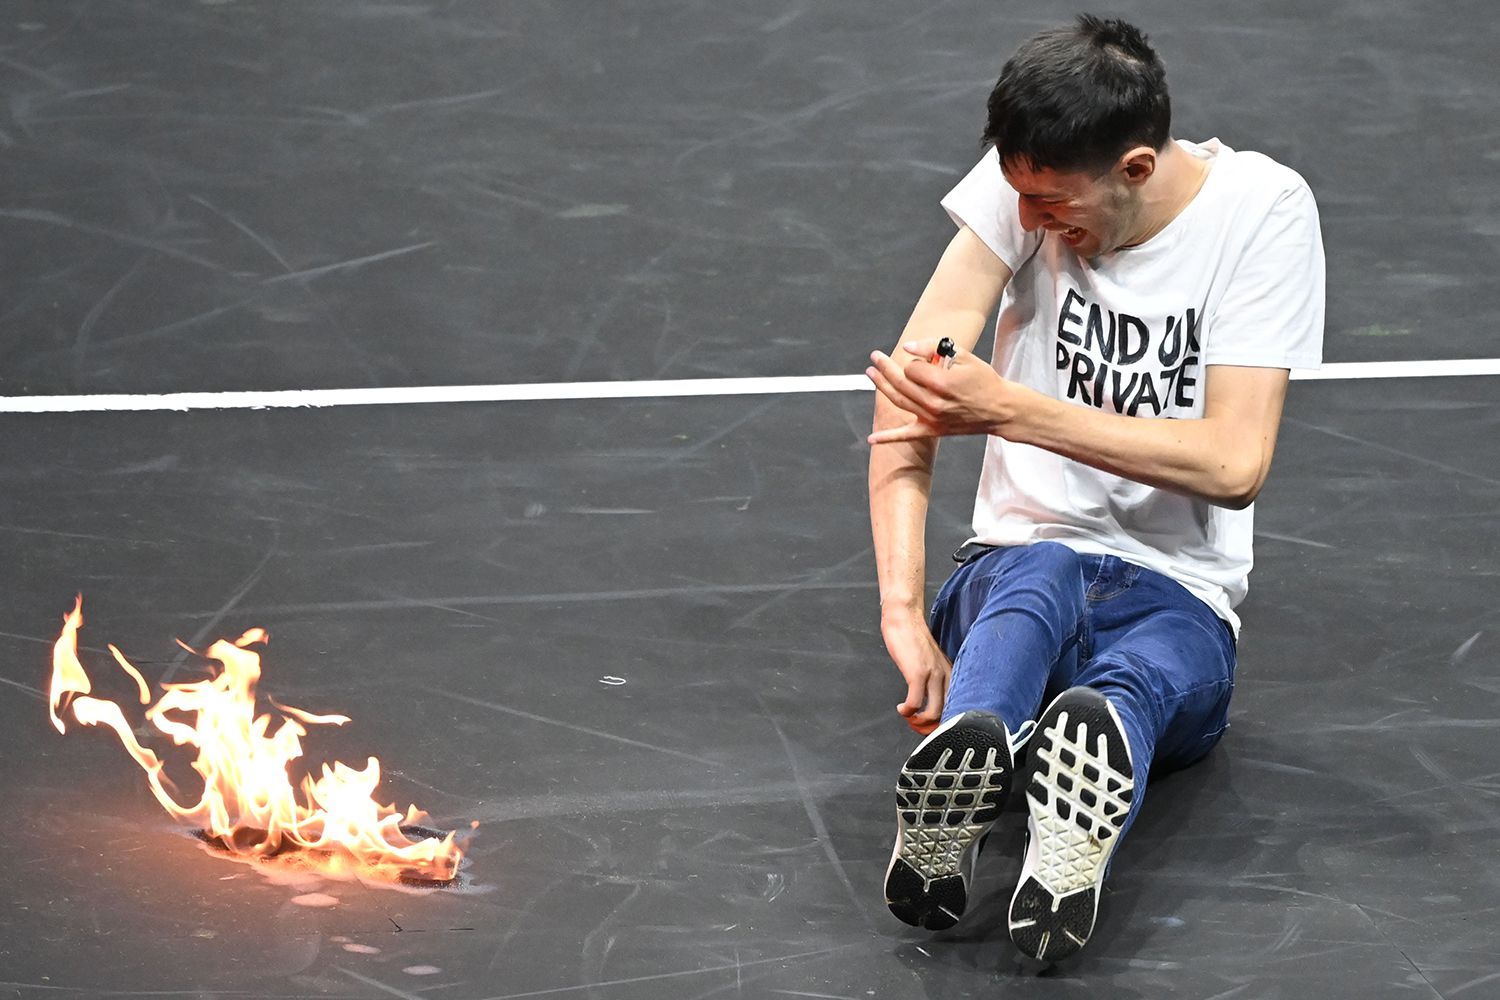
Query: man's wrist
901 611
1024 410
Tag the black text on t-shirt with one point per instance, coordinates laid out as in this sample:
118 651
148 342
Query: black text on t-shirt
1116 360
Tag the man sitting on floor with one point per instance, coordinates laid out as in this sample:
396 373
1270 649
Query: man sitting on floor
1153 294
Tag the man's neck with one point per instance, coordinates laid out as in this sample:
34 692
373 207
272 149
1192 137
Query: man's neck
1178 178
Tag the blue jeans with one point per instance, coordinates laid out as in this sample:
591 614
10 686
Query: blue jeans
1024 624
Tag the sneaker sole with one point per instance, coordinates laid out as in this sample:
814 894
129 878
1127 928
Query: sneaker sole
1078 794
948 795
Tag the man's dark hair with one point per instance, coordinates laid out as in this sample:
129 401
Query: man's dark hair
1075 98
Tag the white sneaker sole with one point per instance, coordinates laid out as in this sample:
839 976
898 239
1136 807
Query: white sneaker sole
948 795
1078 793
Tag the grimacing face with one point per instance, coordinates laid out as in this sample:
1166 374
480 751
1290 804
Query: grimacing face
1093 215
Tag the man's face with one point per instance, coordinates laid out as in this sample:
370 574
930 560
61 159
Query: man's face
1092 215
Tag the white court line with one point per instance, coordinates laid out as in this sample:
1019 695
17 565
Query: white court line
605 390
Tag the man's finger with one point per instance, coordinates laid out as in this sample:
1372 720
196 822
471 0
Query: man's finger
897 376
914 431
915 692
929 378
927 384
937 692
889 391
901 395
932 708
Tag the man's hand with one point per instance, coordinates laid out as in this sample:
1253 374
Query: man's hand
924 666
968 398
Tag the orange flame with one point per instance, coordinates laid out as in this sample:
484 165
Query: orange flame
249 803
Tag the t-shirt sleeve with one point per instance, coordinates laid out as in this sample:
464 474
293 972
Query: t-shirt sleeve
986 203
1271 314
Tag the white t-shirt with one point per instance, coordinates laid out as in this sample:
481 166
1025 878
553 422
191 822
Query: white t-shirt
1235 279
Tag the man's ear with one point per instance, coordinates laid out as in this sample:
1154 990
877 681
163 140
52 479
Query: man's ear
1137 165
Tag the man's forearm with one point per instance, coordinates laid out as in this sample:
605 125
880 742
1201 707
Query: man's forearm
1218 458
957 302
900 483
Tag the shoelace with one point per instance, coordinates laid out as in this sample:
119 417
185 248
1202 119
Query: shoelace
1022 736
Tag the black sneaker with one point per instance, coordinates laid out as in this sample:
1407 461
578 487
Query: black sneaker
948 796
1079 787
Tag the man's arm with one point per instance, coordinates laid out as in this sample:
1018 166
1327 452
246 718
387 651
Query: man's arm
1223 457
957 303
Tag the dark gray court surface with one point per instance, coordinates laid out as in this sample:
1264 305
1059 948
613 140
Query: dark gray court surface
237 195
